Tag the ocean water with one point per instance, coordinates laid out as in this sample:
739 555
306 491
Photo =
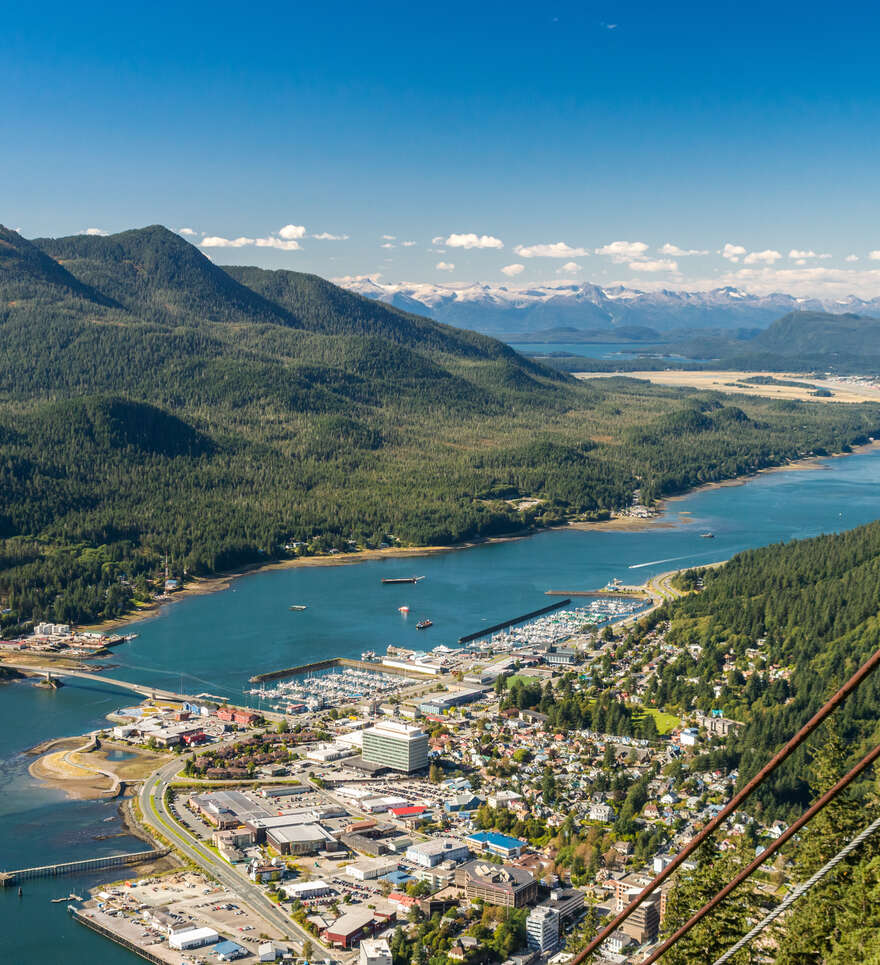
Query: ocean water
213 643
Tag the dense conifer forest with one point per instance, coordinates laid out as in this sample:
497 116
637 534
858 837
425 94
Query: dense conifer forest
153 403
796 620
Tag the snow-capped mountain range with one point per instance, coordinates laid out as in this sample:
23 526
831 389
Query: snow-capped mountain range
509 310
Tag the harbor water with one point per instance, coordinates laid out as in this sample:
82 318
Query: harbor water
213 643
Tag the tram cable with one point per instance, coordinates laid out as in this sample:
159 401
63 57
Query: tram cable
781 755
767 853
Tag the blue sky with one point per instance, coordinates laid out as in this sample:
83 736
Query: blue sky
557 131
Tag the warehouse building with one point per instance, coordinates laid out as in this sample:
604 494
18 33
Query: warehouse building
431 853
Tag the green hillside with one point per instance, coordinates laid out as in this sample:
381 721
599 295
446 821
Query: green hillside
152 402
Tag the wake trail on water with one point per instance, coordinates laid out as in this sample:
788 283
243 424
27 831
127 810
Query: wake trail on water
671 559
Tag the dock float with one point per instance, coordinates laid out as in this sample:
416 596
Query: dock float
513 622
622 593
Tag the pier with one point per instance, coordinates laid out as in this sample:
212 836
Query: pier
88 864
332 662
86 919
514 621
621 593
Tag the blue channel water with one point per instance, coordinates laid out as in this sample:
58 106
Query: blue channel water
213 643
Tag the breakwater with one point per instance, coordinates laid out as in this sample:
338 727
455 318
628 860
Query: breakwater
512 623
102 929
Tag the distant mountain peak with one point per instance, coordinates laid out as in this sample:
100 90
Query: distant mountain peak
585 305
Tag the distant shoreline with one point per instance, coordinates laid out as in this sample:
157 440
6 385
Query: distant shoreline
200 586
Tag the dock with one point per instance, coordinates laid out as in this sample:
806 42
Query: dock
332 662
620 593
512 623
74 867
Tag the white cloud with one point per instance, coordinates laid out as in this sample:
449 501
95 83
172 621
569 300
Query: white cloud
660 264
766 257
569 268
851 258
676 252
214 241
439 240
407 244
186 231
284 240
732 252
798 255
874 255
94 231
471 241
810 281
326 236
511 270
273 242
389 237
557 249
444 266
388 244
621 251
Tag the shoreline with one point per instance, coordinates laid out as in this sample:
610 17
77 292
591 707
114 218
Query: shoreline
201 586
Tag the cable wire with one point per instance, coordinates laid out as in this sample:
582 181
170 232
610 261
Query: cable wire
781 755
802 889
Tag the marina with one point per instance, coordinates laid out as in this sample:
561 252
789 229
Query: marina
332 688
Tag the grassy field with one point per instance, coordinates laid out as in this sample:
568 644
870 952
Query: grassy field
732 382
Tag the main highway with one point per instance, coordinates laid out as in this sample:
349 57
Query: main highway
157 816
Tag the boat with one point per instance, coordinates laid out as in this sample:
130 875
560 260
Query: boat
707 536
424 624
403 609
403 579
298 607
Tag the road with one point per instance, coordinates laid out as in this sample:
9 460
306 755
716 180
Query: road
157 816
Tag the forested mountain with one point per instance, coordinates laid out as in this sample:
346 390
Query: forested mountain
152 403
797 620
812 340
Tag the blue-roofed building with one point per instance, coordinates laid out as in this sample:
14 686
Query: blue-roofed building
496 843
227 951
397 877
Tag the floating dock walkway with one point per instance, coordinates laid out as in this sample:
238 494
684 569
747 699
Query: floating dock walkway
621 593
514 621
88 864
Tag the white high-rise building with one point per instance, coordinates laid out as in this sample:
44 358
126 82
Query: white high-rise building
375 951
394 744
542 929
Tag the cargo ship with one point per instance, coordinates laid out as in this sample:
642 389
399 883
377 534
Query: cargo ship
404 579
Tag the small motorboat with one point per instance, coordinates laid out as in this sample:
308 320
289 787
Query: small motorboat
424 624
297 607
403 609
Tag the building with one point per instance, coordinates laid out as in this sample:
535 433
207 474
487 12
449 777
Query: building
431 853
303 890
193 938
542 929
566 902
402 747
375 951
350 928
561 657
227 951
441 703
496 843
503 799
497 884
599 811
368 868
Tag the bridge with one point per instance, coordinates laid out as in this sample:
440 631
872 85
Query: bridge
145 690
88 864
